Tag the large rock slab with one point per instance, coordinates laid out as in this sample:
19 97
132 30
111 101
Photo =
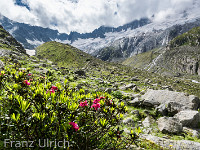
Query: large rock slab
172 144
169 125
174 101
171 108
189 118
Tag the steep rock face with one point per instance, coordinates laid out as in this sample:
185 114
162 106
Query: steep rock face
189 65
180 56
8 42
128 46
183 59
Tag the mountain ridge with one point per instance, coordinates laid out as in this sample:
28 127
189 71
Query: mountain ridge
24 32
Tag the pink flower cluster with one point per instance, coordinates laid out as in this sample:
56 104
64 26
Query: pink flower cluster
101 97
26 82
96 104
74 125
53 89
83 104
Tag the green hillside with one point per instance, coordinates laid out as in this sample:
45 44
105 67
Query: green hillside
64 54
191 38
142 60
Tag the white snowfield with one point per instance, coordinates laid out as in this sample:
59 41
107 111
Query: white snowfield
93 45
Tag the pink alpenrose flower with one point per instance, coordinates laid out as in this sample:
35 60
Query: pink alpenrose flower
26 82
51 91
54 88
83 104
74 125
96 106
96 101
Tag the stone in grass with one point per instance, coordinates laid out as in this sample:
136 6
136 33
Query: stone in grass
189 118
169 125
129 121
191 132
136 102
1 64
148 121
134 79
80 72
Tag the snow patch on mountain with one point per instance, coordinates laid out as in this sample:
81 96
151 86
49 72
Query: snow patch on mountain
92 45
35 42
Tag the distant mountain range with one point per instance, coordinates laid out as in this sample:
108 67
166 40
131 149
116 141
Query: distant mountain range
33 36
109 43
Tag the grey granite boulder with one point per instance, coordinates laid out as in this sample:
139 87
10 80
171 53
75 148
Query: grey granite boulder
169 125
189 118
174 101
148 121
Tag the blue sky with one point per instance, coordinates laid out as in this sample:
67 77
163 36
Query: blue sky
87 15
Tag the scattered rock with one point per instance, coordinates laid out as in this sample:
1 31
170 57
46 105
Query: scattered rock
169 125
80 72
129 121
134 79
135 89
148 121
15 61
79 86
129 86
192 132
172 144
189 118
109 90
135 112
136 102
21 69
1 64
43 65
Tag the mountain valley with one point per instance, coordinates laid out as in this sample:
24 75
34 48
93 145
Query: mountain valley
135 86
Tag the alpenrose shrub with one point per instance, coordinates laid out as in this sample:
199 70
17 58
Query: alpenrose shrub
34 109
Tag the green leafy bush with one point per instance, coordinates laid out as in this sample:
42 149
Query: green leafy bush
33 109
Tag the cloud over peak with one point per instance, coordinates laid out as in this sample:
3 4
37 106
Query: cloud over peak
87 15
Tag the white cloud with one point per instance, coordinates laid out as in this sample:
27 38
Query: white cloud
86 15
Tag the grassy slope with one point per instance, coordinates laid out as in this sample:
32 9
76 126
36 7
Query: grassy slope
192 38
141 60
64 54
113 72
